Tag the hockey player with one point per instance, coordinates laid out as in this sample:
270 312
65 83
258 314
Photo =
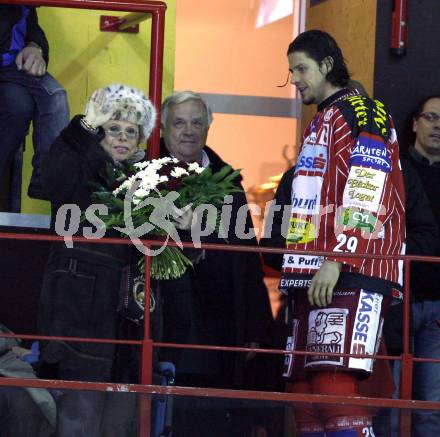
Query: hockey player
345 195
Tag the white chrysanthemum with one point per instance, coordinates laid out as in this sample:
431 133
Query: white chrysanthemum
148 186
147 174
142 164
163 179
141 174
149 181
126 185
155 164
194 166
141 193
178 172
199 170
136 201
164 160
150 168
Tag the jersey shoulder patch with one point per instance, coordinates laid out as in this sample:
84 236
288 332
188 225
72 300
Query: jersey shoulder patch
363 114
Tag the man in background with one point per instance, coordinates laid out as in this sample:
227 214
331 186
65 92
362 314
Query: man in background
424 156
221 301
27 92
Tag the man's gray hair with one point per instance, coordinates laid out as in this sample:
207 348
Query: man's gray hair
181 97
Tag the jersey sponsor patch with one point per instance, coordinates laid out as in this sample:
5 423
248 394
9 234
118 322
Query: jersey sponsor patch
328 115
365 329
306 194
353 218
326 333
363 188
381 118
370 151
370 115
300 231
319 138
288 282
290 346
302 261
359 103
312 159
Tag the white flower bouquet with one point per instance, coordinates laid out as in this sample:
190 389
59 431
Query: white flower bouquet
146 198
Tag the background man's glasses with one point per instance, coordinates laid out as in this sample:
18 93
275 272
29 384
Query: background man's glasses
130 132
432 117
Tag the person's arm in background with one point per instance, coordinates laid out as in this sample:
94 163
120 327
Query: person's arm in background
33 58
421 227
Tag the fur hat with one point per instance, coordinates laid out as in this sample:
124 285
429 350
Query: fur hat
130 104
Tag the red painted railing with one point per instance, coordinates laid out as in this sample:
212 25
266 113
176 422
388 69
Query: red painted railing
404 404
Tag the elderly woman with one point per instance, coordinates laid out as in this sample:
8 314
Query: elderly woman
80 292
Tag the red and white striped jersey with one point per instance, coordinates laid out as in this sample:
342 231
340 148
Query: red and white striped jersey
347 194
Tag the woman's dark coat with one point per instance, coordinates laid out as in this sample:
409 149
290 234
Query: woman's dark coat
80 293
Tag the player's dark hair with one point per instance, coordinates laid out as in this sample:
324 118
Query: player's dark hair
319 45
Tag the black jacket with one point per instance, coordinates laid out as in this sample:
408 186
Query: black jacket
222 301
9 17
74 161
421 225
425 277
80 293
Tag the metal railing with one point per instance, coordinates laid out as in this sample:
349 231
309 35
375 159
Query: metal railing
405 404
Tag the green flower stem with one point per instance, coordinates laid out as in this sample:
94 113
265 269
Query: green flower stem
171 263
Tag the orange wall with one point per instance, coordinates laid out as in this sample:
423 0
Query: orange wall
353 24
218 50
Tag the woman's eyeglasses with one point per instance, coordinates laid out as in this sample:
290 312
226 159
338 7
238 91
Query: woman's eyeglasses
115 131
